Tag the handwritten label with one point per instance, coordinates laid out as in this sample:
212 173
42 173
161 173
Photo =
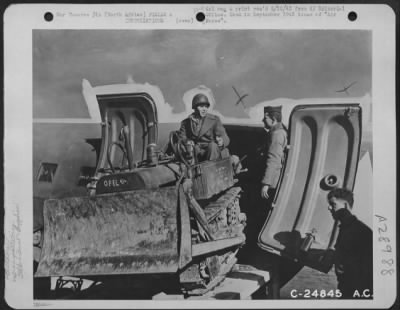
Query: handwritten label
385 247
13 248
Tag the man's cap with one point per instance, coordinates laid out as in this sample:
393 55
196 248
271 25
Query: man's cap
200 99
269 109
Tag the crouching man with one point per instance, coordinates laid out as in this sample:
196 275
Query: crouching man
205 130
353 249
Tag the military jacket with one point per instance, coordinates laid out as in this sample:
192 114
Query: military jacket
205 131
353 256
276 143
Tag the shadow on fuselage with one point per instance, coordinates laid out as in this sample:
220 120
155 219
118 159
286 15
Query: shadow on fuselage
249 141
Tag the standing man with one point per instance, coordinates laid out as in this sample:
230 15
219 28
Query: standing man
353 249
204 129
276 143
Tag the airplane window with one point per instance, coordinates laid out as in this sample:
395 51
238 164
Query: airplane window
47 172
86 174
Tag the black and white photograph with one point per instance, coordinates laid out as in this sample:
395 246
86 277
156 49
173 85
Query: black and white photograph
204 163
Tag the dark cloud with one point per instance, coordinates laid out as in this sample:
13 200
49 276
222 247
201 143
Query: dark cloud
266 64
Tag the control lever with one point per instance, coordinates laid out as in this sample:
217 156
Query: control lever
237 164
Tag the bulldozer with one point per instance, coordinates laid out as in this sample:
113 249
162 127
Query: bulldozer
148 210
152 215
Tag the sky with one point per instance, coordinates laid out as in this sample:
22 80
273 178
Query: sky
264 64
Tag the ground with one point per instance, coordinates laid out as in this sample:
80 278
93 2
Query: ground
310 279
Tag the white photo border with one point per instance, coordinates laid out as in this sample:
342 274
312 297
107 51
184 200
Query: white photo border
19 22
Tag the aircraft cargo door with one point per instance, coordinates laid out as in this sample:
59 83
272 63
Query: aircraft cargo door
324 144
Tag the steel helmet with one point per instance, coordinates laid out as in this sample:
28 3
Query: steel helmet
200 99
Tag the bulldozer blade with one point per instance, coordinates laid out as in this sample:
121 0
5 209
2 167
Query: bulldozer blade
119 233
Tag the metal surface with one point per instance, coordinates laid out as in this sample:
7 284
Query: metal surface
212 259
136 221
224 217
218 269
129 120
66 146
217 245
141 178
121 233
200 217
324 151
212 177
185 250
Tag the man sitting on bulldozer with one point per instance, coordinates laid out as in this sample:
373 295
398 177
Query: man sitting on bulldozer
204 131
